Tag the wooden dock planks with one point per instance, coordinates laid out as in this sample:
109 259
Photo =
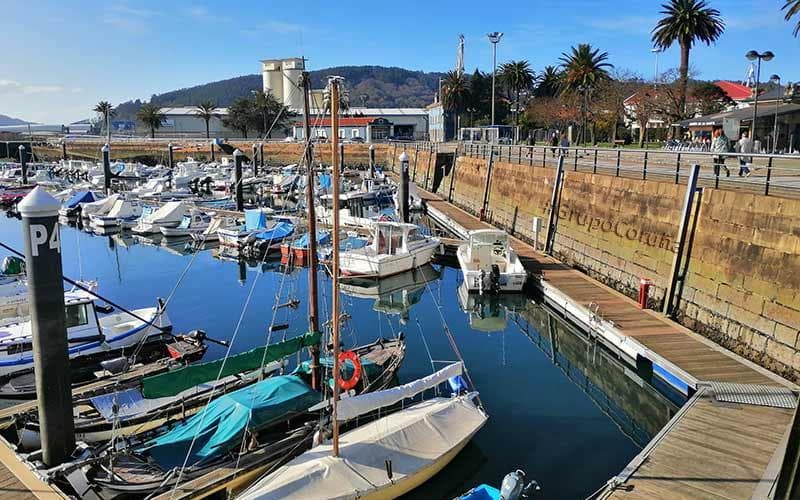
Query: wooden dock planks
713 450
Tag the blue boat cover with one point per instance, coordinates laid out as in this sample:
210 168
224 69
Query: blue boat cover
324 181
80 197
323 238
481 492
254 219
221 425
353 243
276 233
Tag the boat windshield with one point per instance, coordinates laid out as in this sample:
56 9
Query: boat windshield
493 238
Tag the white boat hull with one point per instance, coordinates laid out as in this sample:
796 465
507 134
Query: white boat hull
355 263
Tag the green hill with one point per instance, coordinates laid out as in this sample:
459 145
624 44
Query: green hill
375 86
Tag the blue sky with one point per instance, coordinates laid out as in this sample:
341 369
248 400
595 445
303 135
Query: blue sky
61 57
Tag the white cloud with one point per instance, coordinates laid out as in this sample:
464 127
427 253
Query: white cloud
127 18
14 87
274 27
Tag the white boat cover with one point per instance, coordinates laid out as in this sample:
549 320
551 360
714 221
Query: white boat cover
413 439
100 206
359 405
121 208
170 211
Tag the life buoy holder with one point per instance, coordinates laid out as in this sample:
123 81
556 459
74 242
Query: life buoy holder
347 384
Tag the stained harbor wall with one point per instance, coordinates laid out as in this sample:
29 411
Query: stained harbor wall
742 286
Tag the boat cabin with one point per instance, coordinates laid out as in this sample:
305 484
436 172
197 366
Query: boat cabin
488 247
394 238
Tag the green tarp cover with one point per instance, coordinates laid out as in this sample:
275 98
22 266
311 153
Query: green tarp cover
220 427
173 382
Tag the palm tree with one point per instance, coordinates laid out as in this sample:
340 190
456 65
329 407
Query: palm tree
517 76
687 21
549 82
151 115
455 94
583 67
792 9
206 110
242 116
106 110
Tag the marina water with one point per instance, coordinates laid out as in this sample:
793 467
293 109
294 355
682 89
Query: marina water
560 406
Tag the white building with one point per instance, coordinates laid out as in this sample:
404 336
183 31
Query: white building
371 124
184 121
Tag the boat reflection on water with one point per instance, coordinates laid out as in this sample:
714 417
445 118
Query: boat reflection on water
243 265
489 312
393 295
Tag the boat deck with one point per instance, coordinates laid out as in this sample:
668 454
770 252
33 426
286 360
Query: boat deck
710 449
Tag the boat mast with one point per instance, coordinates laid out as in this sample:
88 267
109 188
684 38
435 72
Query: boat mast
313 315
334 92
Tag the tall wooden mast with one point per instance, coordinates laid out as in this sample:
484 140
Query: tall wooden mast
334 93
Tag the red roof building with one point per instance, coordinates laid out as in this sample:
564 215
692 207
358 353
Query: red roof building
736 91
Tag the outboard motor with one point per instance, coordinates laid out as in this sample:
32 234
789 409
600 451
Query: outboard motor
494 279
513 486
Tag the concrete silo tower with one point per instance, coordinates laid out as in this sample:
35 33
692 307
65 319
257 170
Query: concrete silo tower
292 70
273 78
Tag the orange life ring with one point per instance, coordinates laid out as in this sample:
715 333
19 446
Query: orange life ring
347 384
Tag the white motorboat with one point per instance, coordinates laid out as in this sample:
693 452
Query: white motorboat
386 457
123 212
357 209
489 264
395 247
88 333
195 222
98 207
168 215
210 233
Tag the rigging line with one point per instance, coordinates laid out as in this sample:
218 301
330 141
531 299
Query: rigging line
80 260
452 341
425 343
222 366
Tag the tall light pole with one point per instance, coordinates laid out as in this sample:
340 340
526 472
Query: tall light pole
656 51
776 79
753 55
494 38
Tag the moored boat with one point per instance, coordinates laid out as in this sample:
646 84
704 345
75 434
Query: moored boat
395 247
489 264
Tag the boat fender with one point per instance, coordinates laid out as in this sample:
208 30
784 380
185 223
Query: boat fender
347 384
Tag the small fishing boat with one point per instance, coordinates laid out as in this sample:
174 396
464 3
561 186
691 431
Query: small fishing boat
395 247
98 207
489 264
297 251
72 206
257 228
87 332
195 222
169 214
211 233
387 457
513 487
124 212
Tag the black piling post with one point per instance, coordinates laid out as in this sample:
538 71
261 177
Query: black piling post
403 192
40 227
237 188
64 150
371 161
255 160
106 168
261 155
213 158
341 157
23 161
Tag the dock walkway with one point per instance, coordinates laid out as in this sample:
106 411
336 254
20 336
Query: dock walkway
711 448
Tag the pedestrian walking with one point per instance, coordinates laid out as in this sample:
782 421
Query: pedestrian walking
564 145
720 145
554 143
743 146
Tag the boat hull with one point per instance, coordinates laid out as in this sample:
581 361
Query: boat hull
360 264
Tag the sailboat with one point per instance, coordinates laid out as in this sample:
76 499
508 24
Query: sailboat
389 456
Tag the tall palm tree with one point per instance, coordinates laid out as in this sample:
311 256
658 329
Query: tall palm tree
687 22
549 82
106 110
584 66
455 94
792 8
206 110
151 116
517 76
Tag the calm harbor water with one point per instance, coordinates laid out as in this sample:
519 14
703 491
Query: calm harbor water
561 408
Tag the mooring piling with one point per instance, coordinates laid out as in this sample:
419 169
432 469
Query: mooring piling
237 161
40 228
106 168
403 191
23 161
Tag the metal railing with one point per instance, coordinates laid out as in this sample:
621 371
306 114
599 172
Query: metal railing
771 175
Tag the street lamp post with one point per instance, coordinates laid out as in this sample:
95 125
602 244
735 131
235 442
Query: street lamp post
494 38
775 79
753 55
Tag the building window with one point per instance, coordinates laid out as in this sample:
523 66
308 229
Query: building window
341 133
299 133
354 133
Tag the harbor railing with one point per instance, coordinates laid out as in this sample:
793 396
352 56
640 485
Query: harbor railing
771 175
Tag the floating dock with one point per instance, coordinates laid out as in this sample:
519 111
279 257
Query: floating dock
727 441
